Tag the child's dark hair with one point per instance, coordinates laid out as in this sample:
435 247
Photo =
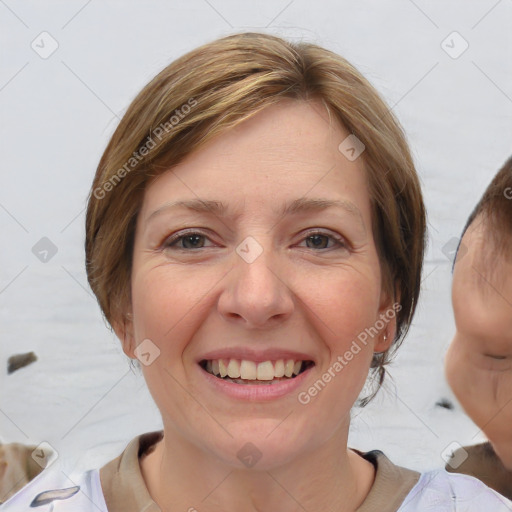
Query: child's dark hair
496 207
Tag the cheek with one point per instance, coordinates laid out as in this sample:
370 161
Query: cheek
345 304
334 306
504 452
344 314
452 367
167 298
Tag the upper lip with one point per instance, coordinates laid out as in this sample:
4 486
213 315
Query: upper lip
249 354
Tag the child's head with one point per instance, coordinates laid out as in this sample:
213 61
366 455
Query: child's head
479 361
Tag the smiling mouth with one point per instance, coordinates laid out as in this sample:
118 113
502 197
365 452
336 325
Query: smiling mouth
251 372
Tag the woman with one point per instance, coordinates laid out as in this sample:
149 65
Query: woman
255 237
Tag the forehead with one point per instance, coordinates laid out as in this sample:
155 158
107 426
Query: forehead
482 282
480 262
286 151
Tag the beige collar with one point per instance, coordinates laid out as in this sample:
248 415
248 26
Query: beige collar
124 488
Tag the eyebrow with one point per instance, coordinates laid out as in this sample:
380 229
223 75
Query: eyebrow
297 206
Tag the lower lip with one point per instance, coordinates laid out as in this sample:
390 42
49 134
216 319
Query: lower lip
256 392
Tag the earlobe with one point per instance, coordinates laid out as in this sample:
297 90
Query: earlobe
124 331
388 311
384 341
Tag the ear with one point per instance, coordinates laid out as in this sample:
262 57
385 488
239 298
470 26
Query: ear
388 311
124 331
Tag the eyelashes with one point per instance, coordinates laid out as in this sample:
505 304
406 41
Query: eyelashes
338 241
193 240
190 238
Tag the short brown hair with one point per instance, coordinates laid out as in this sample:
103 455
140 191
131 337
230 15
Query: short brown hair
223 83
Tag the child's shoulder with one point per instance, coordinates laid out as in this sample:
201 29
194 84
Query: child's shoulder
442 491
54 490
481 461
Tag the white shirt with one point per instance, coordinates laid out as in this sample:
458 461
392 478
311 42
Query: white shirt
395 489
437 491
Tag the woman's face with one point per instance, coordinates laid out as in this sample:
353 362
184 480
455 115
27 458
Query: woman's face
241 265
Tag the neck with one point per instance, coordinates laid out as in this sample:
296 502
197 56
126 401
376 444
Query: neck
181 477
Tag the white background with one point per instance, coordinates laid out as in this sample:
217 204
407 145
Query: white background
58 113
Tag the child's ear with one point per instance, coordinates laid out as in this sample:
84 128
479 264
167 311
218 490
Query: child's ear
124 331
388 311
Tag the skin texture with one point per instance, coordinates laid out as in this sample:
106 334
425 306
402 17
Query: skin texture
479 361
294 296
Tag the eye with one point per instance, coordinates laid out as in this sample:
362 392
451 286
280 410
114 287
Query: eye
186 240
490 362
320 240
497 363
193 240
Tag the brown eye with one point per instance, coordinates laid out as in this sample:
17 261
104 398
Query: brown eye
324 241
190 240
318 241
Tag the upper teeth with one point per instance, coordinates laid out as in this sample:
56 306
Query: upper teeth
250 370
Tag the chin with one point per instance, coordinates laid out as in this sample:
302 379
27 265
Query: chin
504 454
262 451
507 462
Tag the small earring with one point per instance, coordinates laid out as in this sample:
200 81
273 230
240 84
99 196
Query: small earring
385 338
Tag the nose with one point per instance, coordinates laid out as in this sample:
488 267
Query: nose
255 294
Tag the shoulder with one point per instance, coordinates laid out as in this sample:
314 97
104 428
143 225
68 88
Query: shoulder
481 461
53 490
449 492
404 490
17 467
